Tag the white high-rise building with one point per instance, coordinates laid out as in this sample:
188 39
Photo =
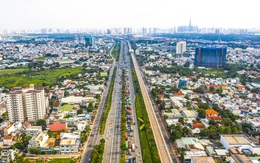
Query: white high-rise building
181 47
26 104
15 105
35 104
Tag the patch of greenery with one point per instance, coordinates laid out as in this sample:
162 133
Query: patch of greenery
148 145
38 78
98 151
66 107
116 51
11 71
107 105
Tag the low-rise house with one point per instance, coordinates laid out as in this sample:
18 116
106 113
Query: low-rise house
9 129
8 141
32 130
7 155
38 140
69 143
198 124
255 123
48 145
212 114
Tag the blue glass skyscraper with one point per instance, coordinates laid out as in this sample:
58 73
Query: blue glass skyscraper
210 56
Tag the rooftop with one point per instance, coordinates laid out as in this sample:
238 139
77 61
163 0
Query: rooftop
236 139
203 159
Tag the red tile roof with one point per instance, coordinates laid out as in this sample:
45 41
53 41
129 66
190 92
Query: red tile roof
8 137
198 124
211 111
217 118
58 126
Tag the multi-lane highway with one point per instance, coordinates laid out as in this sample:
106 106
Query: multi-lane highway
112 133
158 136
135 136
95 138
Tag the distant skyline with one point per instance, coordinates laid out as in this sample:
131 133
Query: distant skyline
37 14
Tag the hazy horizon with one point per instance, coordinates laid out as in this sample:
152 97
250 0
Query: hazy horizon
36 14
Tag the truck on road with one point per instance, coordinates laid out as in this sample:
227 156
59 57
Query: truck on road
130 145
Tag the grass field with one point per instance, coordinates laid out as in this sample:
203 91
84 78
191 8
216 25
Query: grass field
66 107
45 77
10 71
42 58
212 71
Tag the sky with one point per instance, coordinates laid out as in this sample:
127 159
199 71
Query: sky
37 14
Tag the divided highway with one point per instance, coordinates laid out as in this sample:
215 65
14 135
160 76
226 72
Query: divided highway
112 135
94 139
158 136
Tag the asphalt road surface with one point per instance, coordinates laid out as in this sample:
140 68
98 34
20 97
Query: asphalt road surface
135 134
112 135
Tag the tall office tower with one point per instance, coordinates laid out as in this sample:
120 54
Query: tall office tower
15 105
92 41
210 56
35 104
26 104
181 47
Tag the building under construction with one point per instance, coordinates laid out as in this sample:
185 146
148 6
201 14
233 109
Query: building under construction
211 56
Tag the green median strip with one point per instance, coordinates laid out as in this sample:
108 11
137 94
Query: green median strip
107 105
98 152
148 145
116 51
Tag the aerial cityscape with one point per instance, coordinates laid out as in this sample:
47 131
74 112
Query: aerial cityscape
129 82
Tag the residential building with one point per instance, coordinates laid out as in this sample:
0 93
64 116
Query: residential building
181 47
239 142
212 114
15 105
69 142
35 104
210 56
26 103
32 130
7 155
255 123
9 129
8 140
38 140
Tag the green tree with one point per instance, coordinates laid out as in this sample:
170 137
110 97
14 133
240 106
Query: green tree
41 122
79 111
181 120
201 113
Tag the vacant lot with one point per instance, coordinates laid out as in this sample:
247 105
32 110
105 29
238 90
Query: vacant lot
66 107
18 78
11 71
